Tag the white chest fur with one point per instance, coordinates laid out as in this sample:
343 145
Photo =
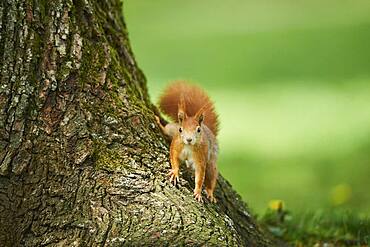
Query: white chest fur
187 156
186 153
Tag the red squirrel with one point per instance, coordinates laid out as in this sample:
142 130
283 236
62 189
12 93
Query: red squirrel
193 134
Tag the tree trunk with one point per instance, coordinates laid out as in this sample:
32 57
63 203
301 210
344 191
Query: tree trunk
82 162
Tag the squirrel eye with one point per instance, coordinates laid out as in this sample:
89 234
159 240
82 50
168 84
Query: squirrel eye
180 130
198 129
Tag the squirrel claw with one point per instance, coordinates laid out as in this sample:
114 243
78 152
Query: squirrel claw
157 119
198 196
174 177
210 197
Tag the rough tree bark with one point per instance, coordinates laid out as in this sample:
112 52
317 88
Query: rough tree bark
82 162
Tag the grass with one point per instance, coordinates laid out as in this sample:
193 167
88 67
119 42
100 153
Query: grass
316 228
291 82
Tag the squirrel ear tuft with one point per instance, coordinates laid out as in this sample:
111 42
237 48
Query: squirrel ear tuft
201 112
201 118
181 116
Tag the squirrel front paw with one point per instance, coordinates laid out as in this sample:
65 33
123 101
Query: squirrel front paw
210 196
198 195
158 120
174 176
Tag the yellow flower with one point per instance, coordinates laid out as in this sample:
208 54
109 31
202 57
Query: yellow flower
341 194
276 205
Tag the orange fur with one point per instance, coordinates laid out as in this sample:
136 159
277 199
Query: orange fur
193 139
195 100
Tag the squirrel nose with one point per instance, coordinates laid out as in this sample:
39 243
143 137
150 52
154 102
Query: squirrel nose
189 140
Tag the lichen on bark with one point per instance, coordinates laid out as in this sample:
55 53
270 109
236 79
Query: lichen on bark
82 162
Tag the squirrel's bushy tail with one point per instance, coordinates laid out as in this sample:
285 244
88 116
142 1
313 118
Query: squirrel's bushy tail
195 98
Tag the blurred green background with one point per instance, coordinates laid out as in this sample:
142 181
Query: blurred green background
291 82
